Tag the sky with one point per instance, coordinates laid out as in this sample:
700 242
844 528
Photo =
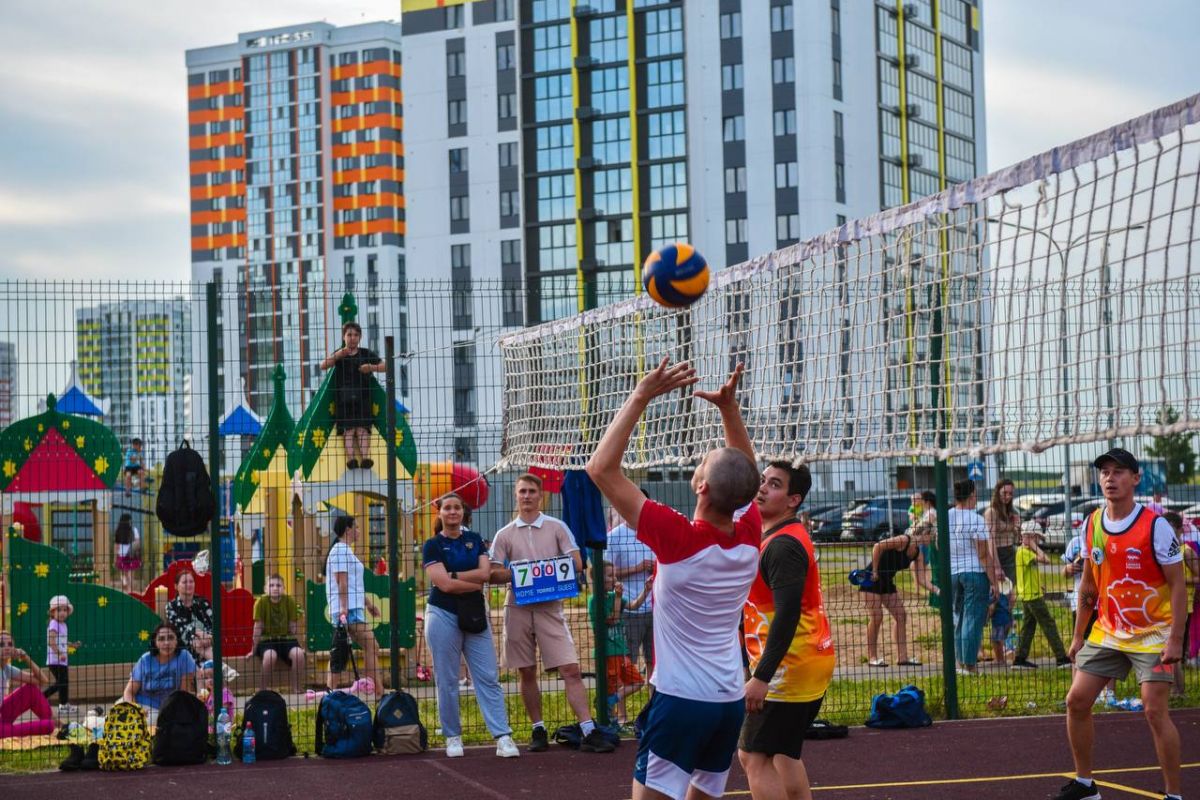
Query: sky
93 115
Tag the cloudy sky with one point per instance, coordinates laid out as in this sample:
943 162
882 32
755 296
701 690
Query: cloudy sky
93 107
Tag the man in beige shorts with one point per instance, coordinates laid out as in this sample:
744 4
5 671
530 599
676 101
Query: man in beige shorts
540 626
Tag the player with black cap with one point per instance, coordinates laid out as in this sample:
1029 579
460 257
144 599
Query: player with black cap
1133 578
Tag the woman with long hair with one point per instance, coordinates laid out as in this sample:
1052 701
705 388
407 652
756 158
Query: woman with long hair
166 668
26 694
1004 528
889 558
348 603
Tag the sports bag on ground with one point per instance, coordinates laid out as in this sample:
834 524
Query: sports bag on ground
267 714
904 709
126 742
572 735
398 728
185 499
344 726
181 736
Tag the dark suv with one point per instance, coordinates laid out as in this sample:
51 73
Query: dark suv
870 521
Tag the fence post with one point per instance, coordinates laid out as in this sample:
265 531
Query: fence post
212 303
393 527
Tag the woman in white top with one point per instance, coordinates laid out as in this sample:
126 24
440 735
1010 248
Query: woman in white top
348 603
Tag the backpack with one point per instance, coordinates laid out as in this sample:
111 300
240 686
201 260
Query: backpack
267 714
344 726
904 709
398 728
572 735
181 736
126 741
185 499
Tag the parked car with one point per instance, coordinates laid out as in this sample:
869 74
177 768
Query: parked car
877 518
1042 509
1058 532
819 514
827 524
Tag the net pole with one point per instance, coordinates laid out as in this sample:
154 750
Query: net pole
393 527
212 304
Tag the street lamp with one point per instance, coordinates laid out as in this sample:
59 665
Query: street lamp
1106 316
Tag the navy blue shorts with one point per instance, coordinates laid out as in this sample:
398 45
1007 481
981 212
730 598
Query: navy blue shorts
687 742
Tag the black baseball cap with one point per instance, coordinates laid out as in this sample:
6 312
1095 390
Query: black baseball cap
1121 457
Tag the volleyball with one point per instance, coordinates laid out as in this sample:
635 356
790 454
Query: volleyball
675 275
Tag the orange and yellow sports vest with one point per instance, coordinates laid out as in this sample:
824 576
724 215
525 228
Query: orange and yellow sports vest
1134 609
807 667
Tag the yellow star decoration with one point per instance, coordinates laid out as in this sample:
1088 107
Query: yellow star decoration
266 454
41 428
100 465
66 425
332 408
41 570
144 635
28 445
374 409
102 601
399 437
10 469
22 608
254 476
300 438
71 649
79 442
318 437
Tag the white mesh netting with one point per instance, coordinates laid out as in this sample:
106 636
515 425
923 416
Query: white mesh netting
1062 286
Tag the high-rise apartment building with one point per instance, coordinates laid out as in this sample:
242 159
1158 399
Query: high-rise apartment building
8 384
297 194
137 355
555 143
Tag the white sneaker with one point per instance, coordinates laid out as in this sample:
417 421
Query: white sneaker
454 748
506 747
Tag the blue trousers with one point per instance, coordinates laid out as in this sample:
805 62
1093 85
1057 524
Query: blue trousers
448 644
970 611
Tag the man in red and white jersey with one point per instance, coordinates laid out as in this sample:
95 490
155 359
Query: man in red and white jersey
706 566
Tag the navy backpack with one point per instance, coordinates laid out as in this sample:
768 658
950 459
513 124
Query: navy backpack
904 709
344 727
398 727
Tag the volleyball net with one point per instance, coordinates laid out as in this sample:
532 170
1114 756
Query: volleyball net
1042 304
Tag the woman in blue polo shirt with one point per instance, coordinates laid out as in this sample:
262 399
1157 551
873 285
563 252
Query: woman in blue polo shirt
456 563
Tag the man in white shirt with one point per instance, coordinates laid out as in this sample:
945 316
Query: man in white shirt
971 575
633 563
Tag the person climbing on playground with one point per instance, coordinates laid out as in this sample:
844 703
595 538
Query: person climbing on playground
351 365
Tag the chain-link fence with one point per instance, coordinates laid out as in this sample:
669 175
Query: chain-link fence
101 382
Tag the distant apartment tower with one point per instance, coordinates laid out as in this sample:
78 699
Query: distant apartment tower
595 131
297 186
8 384
137 356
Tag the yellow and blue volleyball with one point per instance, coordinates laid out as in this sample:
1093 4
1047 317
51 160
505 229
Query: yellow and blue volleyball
675 275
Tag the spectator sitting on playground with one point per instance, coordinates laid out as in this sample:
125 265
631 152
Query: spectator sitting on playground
165 669
1029 590
351 365
623 676
135 464
27 695
191 616
276 632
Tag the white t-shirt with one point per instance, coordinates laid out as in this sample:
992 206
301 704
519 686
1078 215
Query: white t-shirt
342 559
1166 546
7 673
966 528
1072 551
625 551
123 549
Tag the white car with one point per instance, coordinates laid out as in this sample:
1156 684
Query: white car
1057 532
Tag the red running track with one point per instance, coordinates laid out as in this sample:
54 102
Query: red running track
1006 759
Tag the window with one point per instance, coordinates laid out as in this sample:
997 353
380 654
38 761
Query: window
457 112
508 154
555 148
735 179
837 79
839 126
454 16
781 18
787 227
458 160
785 121
731 77
456 64
783 70
506 57
664 32
507 105
504 10
666 137
510 203
735 231
839 182
664 83
668 186
460 208
734 128
786 175
731 25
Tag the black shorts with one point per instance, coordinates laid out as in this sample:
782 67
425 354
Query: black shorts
282 648
133 470
778 730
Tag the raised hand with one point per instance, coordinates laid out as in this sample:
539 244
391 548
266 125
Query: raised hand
663 379
726 396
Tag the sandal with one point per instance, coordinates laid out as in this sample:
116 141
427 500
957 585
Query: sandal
909 662
877 662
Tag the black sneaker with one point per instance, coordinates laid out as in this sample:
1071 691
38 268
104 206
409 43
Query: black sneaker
540 741
1024 663
1074 790
352 464
366 463
595 742
91 758
73 760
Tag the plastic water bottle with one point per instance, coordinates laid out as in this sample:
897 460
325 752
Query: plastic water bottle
248 745
224 729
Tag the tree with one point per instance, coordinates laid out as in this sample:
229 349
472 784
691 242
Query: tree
1175 449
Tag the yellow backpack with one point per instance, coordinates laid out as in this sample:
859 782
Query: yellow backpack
126 741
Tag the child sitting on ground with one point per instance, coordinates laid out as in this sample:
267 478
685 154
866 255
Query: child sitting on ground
623 676
206 693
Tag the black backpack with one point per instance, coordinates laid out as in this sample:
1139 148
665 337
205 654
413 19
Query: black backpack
267 714
182 733
185 499
398 727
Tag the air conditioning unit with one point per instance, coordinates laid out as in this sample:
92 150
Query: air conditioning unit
912 61
584 10
588 213
585 112
915 159
913 110
583 62
910 10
